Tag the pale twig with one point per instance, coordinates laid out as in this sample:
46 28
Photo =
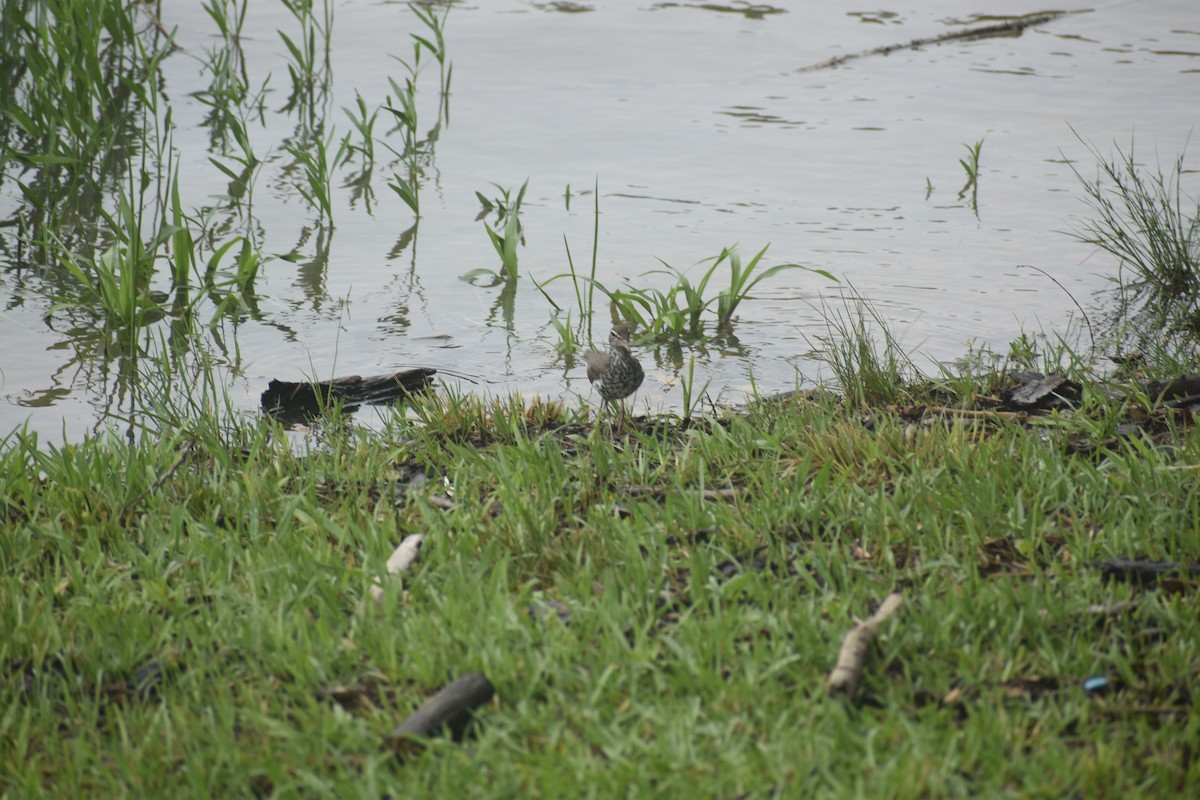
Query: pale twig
401 559
853 654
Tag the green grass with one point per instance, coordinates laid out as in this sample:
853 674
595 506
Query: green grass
179 601
680 311
313 156
310 66
970 166
869 365
508 209
1143 220
700 634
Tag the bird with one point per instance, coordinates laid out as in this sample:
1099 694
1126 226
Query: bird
616 374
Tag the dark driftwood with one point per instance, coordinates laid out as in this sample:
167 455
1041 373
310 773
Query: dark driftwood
1142 572
1036 391
448 710
299 401
1178 393
1011 27
853 654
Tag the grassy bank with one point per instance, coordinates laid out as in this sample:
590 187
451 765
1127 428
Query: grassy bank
658 608
189 611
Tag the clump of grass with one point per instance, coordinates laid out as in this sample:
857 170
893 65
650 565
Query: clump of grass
73 55
118 280
364 123
1152 229
742 280
310 66
242 174
313 156
77 77
970 165
869 364
692 395
680 310
407 185
508 211
568 341
437 48
227 63
414 150
408 189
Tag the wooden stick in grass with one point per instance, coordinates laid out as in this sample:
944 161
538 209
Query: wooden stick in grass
853 654
1011 416
401 559
448 710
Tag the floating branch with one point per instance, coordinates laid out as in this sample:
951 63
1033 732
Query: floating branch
853 654
1012 27
296 402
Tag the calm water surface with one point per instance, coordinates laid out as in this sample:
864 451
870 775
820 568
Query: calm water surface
702 129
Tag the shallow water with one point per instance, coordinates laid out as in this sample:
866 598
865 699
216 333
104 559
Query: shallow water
701 129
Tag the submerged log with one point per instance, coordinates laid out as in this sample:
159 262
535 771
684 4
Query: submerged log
449 710
1013 26
296 402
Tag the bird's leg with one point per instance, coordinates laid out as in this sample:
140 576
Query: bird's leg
600 418
609 415
627 416
621 420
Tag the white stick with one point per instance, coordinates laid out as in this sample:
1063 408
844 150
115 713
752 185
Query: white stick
401 559
854 647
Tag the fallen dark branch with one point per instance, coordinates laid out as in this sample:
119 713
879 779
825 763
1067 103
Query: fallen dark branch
294 402
1185 402
1177 392
1033 390
1141 572
1011 27
448 710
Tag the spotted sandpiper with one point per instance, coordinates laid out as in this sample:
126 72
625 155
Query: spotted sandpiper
616 374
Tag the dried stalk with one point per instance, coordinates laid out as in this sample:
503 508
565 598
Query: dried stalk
853 654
